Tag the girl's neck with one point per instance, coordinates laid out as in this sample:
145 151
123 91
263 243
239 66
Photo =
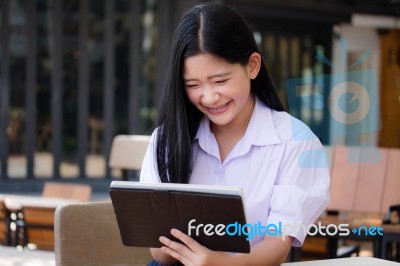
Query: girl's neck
228 135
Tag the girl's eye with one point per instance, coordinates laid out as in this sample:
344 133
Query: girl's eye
221 82
190 86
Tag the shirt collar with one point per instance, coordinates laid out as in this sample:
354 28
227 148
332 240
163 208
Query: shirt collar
261 131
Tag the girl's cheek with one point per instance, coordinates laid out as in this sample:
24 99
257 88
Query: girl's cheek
193 97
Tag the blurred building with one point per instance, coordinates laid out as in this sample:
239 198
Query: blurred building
73 74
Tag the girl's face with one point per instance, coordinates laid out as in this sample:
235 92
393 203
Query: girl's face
219 89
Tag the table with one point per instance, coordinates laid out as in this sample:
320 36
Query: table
352 261
16 202
11 256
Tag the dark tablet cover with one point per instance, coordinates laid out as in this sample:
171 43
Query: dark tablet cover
143 215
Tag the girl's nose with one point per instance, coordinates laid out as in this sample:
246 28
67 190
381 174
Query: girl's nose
210 97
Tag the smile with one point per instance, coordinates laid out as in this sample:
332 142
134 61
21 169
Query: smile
218 109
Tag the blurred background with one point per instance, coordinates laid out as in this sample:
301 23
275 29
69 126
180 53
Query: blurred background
74 74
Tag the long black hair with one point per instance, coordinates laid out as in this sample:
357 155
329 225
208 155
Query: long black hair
207 28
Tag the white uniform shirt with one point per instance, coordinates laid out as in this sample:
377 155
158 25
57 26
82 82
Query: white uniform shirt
279 163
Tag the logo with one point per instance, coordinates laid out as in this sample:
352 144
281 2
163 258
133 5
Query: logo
280 229
348 100
345 103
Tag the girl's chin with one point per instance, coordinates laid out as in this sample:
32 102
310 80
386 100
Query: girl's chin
218 121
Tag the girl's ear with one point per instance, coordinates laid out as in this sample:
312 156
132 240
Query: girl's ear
254 65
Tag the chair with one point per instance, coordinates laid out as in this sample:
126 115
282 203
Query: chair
390 201
81 192
343 178
37 224
127 153
5 232
38 227
318 247
88 234
391 195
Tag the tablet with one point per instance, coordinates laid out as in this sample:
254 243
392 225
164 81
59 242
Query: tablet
212 215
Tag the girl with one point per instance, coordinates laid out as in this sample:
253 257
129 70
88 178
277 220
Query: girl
222 123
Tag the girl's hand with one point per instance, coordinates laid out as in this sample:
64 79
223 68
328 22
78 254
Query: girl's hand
191 253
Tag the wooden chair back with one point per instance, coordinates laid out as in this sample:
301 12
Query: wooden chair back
359 184
343 179
81 192
370 180
392 181
3 222
39 227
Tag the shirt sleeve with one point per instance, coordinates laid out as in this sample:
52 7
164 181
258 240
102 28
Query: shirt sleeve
301 191
149 173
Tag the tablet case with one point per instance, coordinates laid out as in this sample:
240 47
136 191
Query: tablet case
145 215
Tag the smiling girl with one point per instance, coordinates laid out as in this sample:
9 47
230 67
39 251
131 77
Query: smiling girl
222 123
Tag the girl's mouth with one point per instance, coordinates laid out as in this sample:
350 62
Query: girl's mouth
218 109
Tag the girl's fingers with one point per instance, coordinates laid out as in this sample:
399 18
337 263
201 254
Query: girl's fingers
190 252
187 240
175 249
175 255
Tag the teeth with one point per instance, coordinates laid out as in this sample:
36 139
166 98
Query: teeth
219 107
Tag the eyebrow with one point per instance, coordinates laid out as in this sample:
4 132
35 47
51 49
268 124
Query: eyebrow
219 75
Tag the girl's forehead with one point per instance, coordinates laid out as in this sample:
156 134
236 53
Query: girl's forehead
205 57
205 60
205 64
